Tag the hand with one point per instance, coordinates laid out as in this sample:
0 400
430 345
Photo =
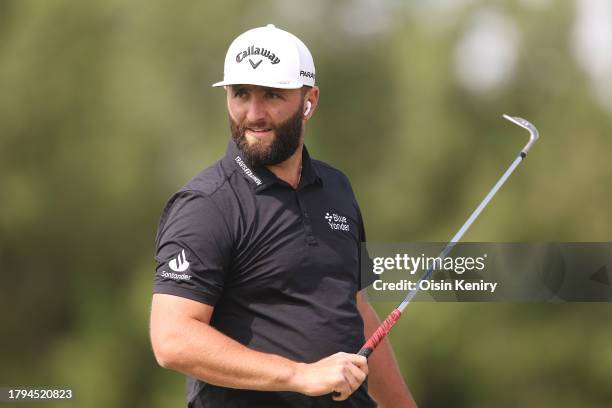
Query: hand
340 373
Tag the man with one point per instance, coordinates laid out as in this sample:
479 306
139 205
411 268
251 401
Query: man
257 291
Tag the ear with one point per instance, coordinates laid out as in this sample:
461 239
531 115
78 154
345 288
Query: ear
308 106
311 101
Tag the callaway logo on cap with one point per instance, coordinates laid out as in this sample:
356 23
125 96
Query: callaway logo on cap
268 56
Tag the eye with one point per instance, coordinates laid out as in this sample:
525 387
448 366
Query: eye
273 95
239 92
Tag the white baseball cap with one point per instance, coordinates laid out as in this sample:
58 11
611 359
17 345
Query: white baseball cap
268 56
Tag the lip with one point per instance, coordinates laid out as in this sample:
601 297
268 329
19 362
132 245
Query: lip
258 132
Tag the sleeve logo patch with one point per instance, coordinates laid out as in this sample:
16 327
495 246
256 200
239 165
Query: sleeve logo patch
179 263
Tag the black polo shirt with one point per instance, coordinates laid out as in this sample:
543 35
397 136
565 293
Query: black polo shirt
280 266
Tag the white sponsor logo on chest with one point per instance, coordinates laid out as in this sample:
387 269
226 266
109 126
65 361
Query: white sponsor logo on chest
337 222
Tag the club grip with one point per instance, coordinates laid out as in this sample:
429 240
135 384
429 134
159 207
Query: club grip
377 336
380 333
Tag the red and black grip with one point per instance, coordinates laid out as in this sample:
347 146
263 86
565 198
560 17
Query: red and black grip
380 333
378 336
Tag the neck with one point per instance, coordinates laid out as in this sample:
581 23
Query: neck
290 170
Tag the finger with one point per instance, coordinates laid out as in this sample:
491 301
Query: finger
351 381
360 361
341 391
355 376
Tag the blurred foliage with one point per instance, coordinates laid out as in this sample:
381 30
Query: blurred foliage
106 109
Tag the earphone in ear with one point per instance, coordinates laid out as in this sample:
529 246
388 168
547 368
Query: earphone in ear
308 106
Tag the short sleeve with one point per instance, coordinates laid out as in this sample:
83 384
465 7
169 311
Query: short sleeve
193 248
366 273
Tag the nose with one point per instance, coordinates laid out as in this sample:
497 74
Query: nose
256 110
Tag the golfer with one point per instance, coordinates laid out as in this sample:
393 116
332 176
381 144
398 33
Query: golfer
258 297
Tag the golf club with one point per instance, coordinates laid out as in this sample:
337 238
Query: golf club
394 316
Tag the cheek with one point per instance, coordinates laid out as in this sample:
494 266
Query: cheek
282 113
236 111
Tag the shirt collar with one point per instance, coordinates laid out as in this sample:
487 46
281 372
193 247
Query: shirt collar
261 177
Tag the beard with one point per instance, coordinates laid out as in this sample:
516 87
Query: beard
287 136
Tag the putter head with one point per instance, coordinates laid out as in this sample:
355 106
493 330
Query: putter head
525 124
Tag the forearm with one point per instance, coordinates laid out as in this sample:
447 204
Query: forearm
385 382
203 352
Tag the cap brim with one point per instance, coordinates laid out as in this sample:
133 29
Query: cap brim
280 85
